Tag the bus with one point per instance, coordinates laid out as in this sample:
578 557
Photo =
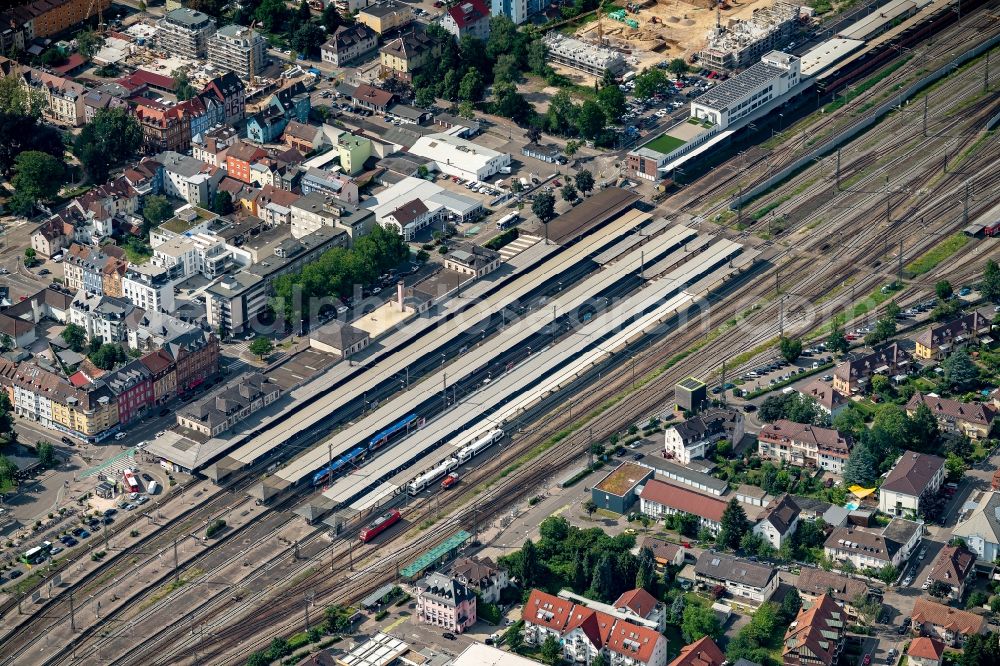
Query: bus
507 221
130 482
37 554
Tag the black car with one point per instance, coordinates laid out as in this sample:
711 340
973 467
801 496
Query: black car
66 440
164 411
16 573
450 636
45 271
146 477
69 541
110 512
749 408
639 456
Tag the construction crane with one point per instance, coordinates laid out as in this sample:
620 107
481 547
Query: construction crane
253 70
100 14
600 24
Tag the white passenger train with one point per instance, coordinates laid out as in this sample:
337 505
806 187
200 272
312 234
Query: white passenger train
465 454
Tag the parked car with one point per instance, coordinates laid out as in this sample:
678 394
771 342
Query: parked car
450 636
16 573
146 477
120 436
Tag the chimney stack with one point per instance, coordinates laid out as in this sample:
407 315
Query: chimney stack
399 294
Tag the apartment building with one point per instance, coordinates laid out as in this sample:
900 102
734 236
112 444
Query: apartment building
230 90
951 625
779 521
703 652
914 476
196 357
874 548
970 419
482 575
349 43
402 56
446 603
695 437
163 374
804 445
132 386
149 287
816 636
199 254
185 32
386 17
101 316
227 405
815 582
937 341
238 49
743 579
469 18
952 568
84 267
210 146
658 499
317 210
164 127
855 372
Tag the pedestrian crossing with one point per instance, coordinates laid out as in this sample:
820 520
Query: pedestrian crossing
517 246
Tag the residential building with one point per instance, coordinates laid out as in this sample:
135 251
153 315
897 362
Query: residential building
189 179
742 579
970 419
617 491
641 607
779 521
981 529
950 625
665 553
163 375
739 43
925 651
372 98
210 146
515 10
468 18
349 43
481 575
202 254
814 582
132 385
473 260
150 330
938 340
816 636
101 316
455 156
187 221
64 98
872 548
316 210
579 55
584 632
386 17
353 151
185 32
854 373
446 603
332 183
914 476
196 357
303 137
50 238
238 49
273 205
289 103
84 267
951 569
240 157
404 55
804 445
695 437
44 18
230 90
224 407
658 499
703 652
826 397
95 101
234 302
149 287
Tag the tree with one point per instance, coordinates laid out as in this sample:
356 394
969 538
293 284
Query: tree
990 288
880 384
585 181
8 471
734 525
6 342
22 133
509 103
885 328
960 371
302 13
528 573
581 572
88 43
838 342
861 467
18 100
107 355
650 82
955 467
790 605
645 577
466 110
222 203
307 39
850 420
424 97
53 57
924 429
261 347
590 506
182 85
676 613
538 56
37 178
678 67
112 137
516 186
980 650
273 14
29 256
46 455
331 19
471 87
599 660
550 649
155 211
791 348
515 635
544 207
568 192
699 621
612 102
590 120
943 290
602 582
75 336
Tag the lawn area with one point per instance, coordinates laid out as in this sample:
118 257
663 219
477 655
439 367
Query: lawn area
664 144
940 252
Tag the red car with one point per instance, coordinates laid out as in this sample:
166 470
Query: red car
867 659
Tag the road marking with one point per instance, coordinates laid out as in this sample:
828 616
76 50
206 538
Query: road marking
389 627
559 511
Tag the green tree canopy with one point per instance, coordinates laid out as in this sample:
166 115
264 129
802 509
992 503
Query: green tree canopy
544 206
37 178
89 42
678 67
791 348
261 346
862 467
155 211
612 101
699 621
75 336
590 120
307 39
960 371
651 82
568 192
734 525
943 289
838 342
112 137
584 181
990 288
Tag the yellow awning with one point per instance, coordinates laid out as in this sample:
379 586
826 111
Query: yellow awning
860 492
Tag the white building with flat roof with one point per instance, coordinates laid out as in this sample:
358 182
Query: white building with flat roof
184 32
460 157
237 49
731 100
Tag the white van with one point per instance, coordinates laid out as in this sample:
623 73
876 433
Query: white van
152 487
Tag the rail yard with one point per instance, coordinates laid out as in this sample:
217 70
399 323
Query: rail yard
508 382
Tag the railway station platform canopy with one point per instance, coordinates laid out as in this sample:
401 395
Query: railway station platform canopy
440 552
592 213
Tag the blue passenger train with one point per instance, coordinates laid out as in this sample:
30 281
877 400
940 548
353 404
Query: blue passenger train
339 464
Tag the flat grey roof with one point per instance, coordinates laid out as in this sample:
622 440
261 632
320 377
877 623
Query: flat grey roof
676 471
733 90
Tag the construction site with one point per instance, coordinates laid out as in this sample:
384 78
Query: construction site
719 35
